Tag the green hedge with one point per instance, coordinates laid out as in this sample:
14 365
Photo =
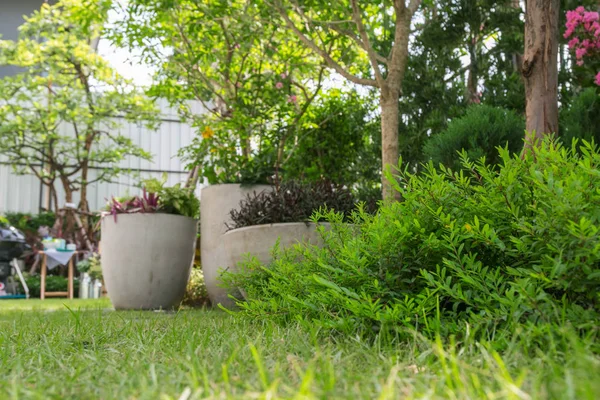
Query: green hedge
498 247
54 283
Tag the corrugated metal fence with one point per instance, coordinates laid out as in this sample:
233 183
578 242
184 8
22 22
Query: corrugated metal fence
22 193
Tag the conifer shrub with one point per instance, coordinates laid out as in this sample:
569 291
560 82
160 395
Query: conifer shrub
479 132
483 246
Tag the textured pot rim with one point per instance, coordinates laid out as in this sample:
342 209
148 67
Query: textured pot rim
282 224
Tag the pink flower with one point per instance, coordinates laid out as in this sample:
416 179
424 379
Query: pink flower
237 46
580 63
292 99
590 17
279 85
283 75
597 81
580 52
580 9
239 84
573 42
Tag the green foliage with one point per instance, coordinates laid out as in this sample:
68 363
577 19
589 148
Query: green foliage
31 223
485 246
54 283
291 202
92 266
175 199
581 118
253 82
60 110
341 144
480 132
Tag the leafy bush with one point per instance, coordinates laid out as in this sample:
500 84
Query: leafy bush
30 222
581 119
479 132
291 201
54 283
485 246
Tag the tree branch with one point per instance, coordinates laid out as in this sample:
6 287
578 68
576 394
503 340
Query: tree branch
330 61
356 15
413 6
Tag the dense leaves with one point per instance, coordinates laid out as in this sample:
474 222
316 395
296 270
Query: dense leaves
479 132
498 247
57 116
254 84
291 201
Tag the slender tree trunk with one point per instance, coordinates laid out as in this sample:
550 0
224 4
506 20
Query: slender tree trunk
472 92
83 203
70 223
390 119
540 69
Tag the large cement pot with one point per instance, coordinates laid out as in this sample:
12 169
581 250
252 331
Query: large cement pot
146 259
258 241
216 203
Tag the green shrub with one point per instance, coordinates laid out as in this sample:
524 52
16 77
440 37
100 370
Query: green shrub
581 119
485 246
479 132
54 283
30 222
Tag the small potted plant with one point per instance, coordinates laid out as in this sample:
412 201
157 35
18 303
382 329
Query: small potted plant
147 246
90 279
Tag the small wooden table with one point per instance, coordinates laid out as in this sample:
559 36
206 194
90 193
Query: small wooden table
69 293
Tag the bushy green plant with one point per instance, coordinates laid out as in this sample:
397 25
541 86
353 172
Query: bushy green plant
31 222
581 118
479 132
515 244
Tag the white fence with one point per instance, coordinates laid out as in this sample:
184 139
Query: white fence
23 193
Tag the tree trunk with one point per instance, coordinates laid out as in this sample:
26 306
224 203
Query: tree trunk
472 92
83 203
390 115
540 70
70 223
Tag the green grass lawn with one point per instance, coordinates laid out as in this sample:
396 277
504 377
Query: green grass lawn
98 354
54 304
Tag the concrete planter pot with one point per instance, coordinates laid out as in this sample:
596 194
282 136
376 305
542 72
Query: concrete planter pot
258 241
146 259
216 203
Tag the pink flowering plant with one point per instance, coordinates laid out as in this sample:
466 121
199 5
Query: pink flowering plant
583 32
